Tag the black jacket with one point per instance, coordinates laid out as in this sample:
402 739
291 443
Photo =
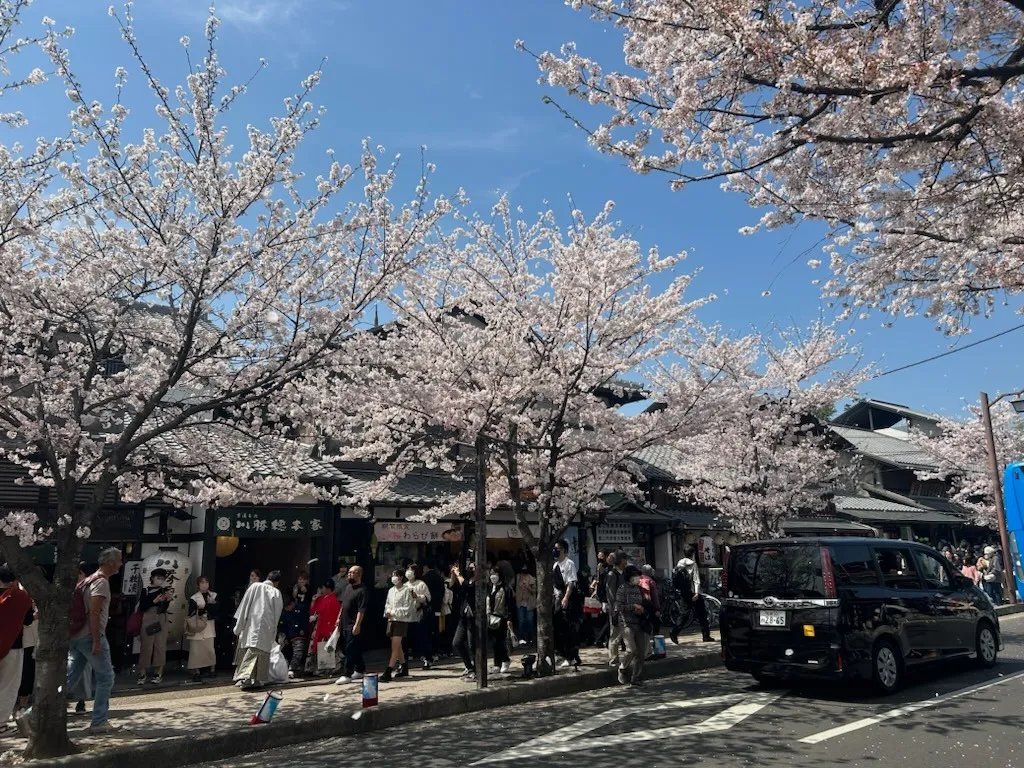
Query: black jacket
435 583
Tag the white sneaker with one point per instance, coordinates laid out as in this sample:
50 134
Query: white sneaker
564 665
467 671
504 668
343 680
522 643
291 675
357 676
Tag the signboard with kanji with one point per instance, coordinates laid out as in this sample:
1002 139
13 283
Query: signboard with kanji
421 532
272 522
615 533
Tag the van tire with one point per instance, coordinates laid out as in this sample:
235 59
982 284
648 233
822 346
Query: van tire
986 644
886 667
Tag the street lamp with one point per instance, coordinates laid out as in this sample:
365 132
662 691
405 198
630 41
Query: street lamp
997 483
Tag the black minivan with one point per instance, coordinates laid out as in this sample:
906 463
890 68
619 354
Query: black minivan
849 608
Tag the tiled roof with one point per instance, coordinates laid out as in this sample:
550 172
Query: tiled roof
264 457
881 510
886 448
823 525
658 462
698 518
419 488
892 413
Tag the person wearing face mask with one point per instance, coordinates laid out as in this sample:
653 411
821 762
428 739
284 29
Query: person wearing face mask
401 609
464 642
353 610
325 610
500 609
419 631
526 602
201 631
568 605
634 610
153 604
686 579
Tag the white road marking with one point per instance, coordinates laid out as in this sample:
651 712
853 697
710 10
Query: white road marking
909 709
568 739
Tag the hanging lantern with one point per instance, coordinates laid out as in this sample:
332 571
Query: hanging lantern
226 545
179 568
719 539
373 545
732 539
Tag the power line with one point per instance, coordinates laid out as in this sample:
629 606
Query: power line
949 352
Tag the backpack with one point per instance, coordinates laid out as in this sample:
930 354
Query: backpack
79 609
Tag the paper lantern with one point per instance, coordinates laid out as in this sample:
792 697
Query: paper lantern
226 545
732 539
179 568
719 539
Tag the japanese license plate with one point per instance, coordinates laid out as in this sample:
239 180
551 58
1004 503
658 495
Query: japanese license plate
772 618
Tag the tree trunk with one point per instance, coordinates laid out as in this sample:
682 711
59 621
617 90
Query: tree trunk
49 708
545 612
482 582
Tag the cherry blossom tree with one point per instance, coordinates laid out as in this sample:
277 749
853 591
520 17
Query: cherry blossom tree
892 122
768 457
963 458
163 303
521 337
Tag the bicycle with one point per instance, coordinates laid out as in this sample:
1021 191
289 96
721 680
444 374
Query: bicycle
676 612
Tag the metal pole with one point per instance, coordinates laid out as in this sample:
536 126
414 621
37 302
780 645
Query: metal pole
480 558
997 491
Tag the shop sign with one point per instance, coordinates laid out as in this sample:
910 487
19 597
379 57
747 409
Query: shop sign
269 523
707 551
508 531
419 532
615 533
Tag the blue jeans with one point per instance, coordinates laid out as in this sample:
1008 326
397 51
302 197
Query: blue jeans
527 624
103 670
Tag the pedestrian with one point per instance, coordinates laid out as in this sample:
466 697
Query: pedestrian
635 611
354 602
526 604
500 609
89 647
970 569
419 631
686 580
302 593
255 576
432 613
464 642
153 604
568 605
993 576
341 581
29 640
401 609
326 608
15 615
256 622
649 584
201 630
295 625
614 579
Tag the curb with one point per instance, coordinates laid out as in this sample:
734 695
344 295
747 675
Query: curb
189 750
1009 610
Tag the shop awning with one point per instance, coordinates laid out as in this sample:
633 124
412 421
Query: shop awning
826 526
699 519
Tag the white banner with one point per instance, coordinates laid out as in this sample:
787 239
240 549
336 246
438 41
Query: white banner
615 533
420 532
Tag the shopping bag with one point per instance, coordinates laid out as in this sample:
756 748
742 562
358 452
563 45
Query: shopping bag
326 659
334 640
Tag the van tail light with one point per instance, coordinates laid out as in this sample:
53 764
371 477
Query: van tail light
828 575
725 573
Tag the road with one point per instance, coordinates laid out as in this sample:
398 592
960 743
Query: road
955 714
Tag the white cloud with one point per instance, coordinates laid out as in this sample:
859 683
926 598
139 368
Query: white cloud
257 12
499 140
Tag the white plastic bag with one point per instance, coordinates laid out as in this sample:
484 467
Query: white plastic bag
332 642
278 665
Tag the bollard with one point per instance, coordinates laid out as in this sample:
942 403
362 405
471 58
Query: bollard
267 709
369 690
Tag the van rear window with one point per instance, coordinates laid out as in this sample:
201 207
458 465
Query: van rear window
789 571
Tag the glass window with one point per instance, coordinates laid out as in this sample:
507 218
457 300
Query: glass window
934 571
853 564
785 571
897 567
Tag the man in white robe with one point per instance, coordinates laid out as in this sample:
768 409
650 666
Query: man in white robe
256 622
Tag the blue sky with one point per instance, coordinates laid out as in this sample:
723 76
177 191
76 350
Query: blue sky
445 74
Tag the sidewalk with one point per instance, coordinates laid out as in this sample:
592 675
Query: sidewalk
194 724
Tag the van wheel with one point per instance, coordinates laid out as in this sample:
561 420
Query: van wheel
886 667
986 645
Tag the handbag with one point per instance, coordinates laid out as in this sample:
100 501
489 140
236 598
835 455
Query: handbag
326 659
333 641
134 625
494 622
195 624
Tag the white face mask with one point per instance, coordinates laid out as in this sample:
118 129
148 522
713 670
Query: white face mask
635 580
410 576
495 578
396 580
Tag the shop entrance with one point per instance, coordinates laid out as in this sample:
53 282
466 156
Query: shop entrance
286 555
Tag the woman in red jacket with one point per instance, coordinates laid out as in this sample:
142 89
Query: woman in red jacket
323 616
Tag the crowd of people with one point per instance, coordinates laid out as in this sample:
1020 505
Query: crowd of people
982 564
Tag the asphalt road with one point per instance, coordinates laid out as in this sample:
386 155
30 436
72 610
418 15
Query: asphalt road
952 715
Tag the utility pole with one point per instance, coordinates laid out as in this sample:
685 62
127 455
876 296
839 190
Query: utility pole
480 558
1009 586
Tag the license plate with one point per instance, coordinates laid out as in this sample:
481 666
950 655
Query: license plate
772 618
